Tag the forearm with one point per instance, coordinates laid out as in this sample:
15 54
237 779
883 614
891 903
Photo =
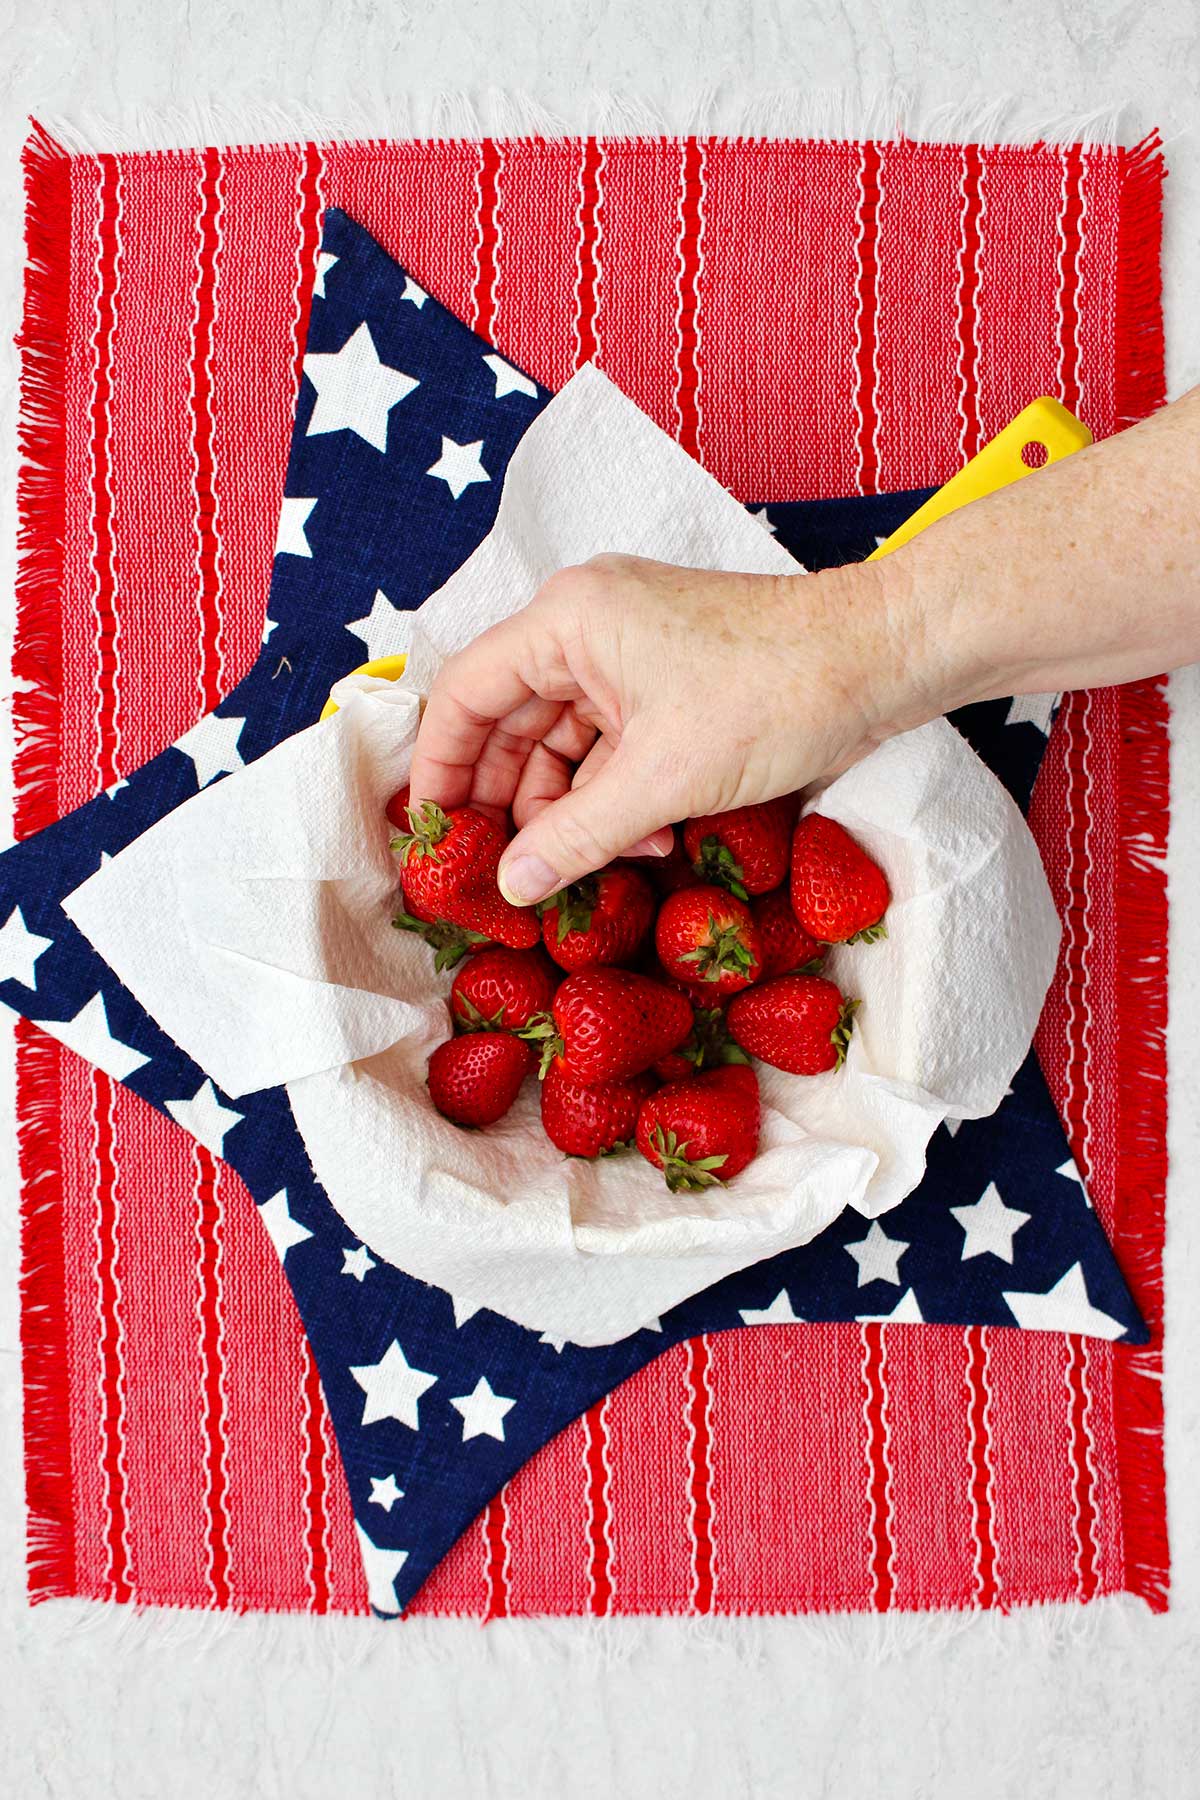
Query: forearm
1086 575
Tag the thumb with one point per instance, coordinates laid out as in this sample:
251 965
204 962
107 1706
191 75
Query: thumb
580 833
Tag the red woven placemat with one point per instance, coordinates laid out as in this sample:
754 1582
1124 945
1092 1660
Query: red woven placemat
808 319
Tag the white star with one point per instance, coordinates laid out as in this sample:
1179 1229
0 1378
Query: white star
213 747
355 391
653 1325
778 1313
381 1567
282 1229
413 292
358 1263
510 380
384 1491
989 1225
1032 709
290 539
384 630
325 262
1070 1172
392 1387
268 627
877 1255
463 1310
482 1411
556 1344
952 1126
459 465
905 1312
20 949
118 787
760 516
1065 1307
205 1117
89 1036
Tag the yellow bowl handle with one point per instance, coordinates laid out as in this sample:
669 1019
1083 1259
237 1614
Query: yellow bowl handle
386 668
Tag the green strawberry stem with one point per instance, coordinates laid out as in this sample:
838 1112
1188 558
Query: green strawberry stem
715 863
710 1041
543 1034
870 934
449 942
843 1031
722 952
682 1174
428 825
468 1018
574 906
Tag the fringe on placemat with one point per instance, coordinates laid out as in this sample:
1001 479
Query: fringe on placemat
50 1543
1141 898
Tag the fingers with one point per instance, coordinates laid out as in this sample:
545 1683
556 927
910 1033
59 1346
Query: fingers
475 689
550 766
582 831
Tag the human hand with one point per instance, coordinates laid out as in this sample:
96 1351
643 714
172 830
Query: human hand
629 694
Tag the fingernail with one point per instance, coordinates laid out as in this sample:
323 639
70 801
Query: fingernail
527 879
653 845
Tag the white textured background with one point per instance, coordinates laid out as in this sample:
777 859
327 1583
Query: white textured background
1099 1705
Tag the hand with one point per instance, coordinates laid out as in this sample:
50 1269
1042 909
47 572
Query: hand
629 694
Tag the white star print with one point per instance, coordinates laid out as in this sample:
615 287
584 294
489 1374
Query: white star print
989 1225
1065 1307
392 1387
463 1310
358 1263
653 1325
459 465
88 1034
413 292
325 262
1032 709
483 1412
213 747
381 1567
877 1255
384 630
282 1229
384 1491
268 627
118 787
510 380
290 539
760 516
952 1126
355 391
778 1313
1070 1172
20 949
905 1312
556 1344
205 1117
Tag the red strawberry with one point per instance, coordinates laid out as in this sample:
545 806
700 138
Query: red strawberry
601 919
709 1046
707 936
591 1121
450 943
673 871
474 1080
838 893
799 1023
704 1131
785 943
744 850
501 990
608 1024
448 868
397 809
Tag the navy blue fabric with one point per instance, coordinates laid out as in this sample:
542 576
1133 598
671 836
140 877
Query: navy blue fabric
382 523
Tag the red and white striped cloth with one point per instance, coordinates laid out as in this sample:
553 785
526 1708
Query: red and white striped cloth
808 319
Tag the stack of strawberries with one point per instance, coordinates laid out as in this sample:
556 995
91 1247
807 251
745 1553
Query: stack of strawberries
641 993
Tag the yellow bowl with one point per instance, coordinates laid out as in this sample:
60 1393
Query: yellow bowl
387 668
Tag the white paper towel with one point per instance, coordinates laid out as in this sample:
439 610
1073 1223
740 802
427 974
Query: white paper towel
265 949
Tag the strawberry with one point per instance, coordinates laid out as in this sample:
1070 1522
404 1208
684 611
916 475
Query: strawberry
448 868
602 919
799 1023
397 809
474 1080
702 1132
707 936
501 990
673 871
608 1024
591 1121
708 1046
785 943
838 893
744 850
450 943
